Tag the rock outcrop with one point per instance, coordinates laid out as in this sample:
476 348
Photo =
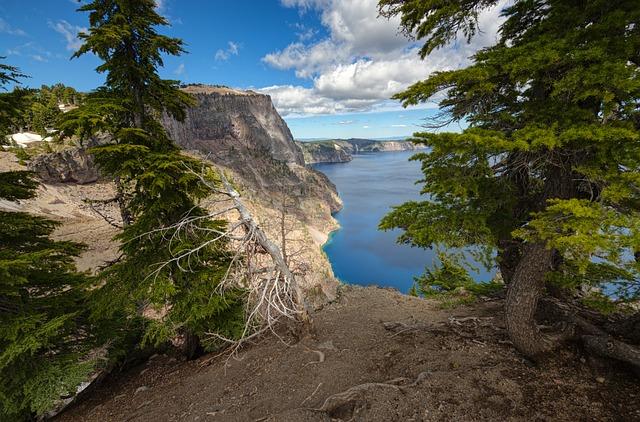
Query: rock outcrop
242 131
71 165
343 150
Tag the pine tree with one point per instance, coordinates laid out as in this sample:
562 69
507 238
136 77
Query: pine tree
11 103
45 332
156 189
547 172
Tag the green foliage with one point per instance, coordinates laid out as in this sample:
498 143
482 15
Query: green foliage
600 303
156 282
45 331
552 151
39 108
449 281
438 22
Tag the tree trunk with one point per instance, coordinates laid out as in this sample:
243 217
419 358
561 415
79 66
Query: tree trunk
276 254
508 258
122 203
524 291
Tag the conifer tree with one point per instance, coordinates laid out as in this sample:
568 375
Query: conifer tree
547 172
11 103
45 332
155 187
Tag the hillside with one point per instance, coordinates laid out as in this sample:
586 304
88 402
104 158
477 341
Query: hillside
376 355
343 150
242 134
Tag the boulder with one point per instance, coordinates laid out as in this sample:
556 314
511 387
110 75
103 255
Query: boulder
72 165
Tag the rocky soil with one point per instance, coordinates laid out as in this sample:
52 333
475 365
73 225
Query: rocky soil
376 355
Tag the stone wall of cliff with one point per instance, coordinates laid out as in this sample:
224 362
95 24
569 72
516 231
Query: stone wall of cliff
241 132
343 150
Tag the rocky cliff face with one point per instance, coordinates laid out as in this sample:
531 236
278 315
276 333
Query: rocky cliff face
242 131
325 152
342 150
72 165
225 122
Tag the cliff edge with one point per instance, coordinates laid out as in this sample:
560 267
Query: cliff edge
343 150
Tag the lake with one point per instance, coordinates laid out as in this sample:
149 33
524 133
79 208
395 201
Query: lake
370 186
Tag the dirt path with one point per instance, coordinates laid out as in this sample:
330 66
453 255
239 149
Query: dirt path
448 369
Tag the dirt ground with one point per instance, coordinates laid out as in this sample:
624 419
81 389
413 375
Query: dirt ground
363 364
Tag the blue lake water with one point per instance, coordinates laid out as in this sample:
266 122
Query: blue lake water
370 186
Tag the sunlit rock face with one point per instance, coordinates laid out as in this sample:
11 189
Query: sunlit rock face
242 130
71 165
343 150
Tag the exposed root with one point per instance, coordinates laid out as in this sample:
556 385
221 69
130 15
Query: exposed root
609 347
311 395
399 328
350 402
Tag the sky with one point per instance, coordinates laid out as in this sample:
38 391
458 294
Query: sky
330 66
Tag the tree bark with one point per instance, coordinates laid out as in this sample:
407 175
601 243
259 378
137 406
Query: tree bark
274 251
524 291
508 258
122 203
609 347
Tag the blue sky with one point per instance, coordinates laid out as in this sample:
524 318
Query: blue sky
330 66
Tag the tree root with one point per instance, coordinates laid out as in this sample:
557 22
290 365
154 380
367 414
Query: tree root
348 403
596 340
609 347
399 328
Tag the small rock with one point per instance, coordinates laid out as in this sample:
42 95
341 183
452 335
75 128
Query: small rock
140 389
600 379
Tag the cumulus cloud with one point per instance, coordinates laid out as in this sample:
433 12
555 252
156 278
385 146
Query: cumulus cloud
69 32
232 49
363 61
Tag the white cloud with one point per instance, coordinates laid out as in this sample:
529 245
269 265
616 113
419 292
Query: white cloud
32 50
7 28
180 70
69 32
161 5
363 61
39 58
399 125
233 49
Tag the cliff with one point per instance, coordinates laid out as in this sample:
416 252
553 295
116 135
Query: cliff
343 150
243 132
240 132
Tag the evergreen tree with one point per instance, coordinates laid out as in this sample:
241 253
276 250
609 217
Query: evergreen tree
547 173
44 326
11 103
155 187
